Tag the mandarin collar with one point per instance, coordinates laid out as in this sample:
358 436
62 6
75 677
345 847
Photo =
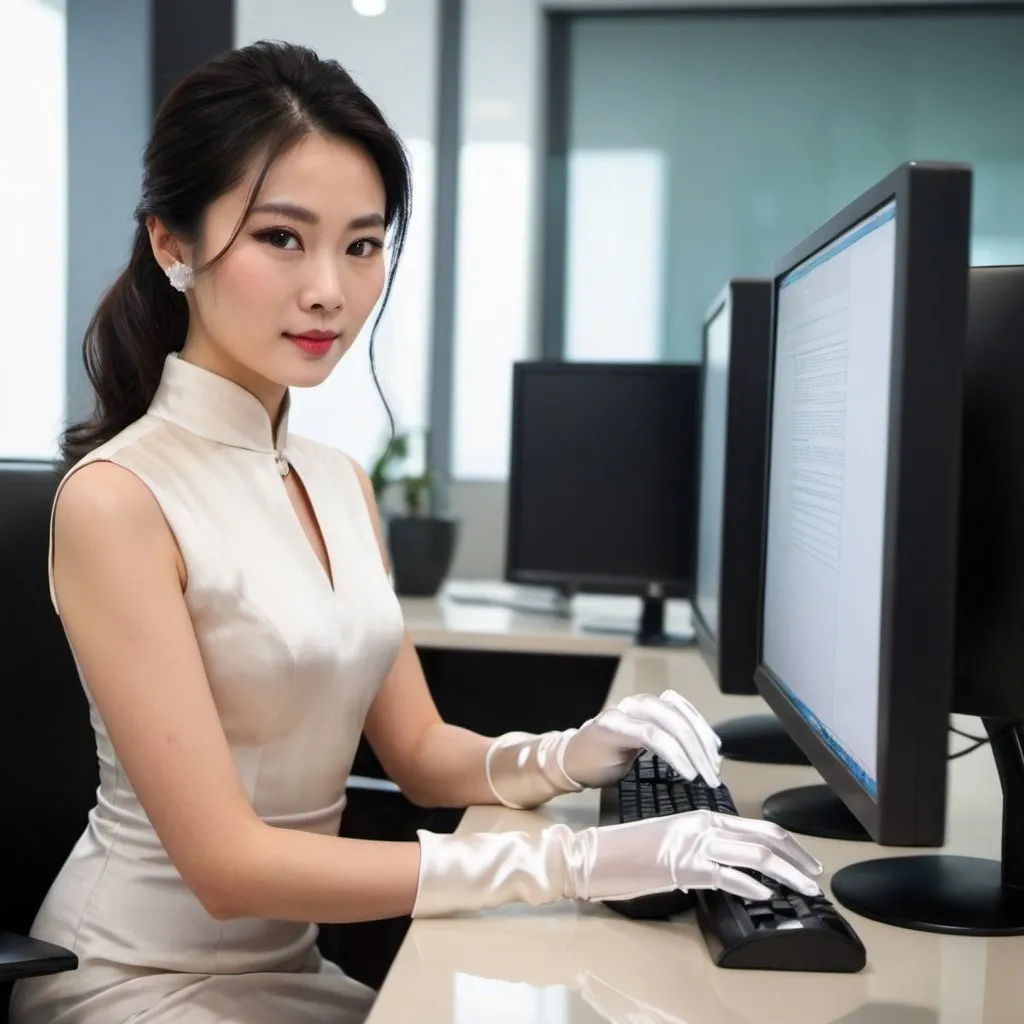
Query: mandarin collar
211 406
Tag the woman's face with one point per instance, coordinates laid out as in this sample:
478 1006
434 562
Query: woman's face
309 258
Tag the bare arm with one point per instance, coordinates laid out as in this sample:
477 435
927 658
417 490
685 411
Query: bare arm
118 583
434 764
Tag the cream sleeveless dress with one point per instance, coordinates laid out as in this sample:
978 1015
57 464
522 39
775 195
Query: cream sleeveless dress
294 664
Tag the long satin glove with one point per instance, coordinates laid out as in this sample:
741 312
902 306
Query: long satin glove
527 769
698 850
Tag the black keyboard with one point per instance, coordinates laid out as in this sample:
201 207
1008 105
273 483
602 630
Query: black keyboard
788 932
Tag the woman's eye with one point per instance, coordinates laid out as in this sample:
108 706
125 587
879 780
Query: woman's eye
278 238
365 247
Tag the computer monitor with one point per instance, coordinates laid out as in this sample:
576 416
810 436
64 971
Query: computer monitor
862 624
862 491
726 603
602 481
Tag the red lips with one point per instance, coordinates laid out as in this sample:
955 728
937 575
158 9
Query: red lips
316 335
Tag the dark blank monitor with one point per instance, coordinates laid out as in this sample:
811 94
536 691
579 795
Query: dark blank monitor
733 402
602 480
859 584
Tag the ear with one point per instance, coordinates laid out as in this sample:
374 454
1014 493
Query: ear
166 247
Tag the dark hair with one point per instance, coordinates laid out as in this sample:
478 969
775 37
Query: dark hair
261 99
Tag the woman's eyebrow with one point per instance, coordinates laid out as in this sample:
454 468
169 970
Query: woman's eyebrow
300 213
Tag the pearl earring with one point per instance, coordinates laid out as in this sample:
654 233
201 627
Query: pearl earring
180 276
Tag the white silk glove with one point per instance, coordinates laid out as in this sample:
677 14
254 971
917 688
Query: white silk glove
526 769
604 748
697 850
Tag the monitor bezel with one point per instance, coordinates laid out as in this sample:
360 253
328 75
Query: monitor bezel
598 583
933 217
732 660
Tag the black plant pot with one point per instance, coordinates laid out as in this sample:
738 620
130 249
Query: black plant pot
421 553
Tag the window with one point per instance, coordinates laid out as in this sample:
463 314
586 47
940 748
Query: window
615 252
33 260
496 279
491 321
763 127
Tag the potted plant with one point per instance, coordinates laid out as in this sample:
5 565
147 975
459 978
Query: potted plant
421 541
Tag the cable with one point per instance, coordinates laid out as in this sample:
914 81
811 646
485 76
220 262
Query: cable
968 735
967 750
976 742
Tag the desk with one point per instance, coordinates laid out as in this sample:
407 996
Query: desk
576 963
452 624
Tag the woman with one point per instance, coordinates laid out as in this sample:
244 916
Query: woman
223 586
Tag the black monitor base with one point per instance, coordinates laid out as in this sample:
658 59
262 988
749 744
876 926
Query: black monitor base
760 739
813 811
662 640
952 895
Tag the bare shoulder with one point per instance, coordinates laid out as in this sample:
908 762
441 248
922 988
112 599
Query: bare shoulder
103 507
100 492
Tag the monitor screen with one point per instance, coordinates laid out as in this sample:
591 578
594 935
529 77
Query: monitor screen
602 481
714 409
821 631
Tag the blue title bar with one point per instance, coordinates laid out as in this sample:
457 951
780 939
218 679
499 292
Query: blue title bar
872 224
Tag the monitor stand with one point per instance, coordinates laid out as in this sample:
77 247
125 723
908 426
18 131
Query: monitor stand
952 895
760 739
651 630
814 811
652 626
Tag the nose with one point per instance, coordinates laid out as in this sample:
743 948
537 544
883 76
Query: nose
323 290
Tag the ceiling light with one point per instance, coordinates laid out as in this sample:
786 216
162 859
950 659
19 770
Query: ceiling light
369 8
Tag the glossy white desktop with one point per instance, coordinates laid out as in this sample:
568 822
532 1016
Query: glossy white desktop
581 964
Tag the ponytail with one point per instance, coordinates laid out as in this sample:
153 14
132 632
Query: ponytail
139 321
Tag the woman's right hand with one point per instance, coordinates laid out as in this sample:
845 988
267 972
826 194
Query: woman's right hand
696 850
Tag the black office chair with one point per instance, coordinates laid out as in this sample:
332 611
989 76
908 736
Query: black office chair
48 769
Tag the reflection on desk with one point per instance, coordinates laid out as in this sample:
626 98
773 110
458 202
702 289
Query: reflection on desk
575 963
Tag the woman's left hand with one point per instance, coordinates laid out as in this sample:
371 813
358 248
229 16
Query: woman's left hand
604 748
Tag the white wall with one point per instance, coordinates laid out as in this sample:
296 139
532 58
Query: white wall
394 58
33 256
